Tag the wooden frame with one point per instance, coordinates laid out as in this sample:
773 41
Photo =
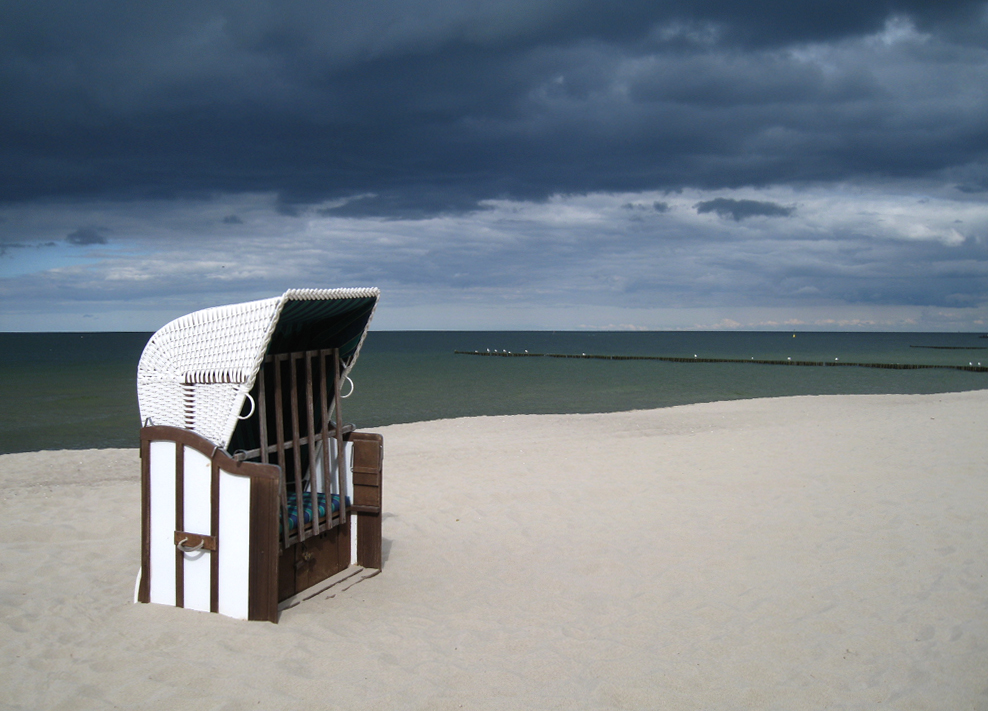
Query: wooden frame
279 565
229 533
274 572
368 467
287 449
261 521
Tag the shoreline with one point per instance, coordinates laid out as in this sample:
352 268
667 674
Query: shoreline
382 428
786 552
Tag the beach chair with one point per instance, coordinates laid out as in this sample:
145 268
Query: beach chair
253 488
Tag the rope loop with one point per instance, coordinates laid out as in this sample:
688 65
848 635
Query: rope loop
247 416
344 397
186 549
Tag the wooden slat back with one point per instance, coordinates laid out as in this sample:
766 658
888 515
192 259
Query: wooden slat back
262 413
310 402
179 522
296 446
340 449
310 416
279 419
324 409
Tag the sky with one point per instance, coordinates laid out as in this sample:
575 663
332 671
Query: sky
518 164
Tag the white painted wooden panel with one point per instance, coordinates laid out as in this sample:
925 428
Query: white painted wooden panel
162 475
234 545
197 512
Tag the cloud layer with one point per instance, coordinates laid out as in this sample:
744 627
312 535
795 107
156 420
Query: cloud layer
661 164
645 260
438 104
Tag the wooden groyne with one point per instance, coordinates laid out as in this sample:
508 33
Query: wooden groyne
754 361
954 348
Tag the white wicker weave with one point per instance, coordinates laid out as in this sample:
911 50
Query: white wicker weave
196 371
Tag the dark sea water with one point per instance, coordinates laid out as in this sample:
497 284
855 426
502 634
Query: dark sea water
78 390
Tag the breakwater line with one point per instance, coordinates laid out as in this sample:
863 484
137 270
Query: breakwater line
971 368
954 348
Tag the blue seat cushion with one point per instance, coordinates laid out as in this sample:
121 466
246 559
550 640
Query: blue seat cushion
307 507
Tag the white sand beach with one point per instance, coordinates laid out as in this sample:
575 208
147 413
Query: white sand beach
794 553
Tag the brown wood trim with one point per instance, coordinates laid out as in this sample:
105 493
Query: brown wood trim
343 543
310 416
262 414
368 452
262 597
369 540
254 470
191 540
371 471
290 600
366 478
340 447
324 409
367 496
265 480
286 573
214 531
279 419
368 456
365 508
369 436
273 448
158 433
144 589
179 522
297 450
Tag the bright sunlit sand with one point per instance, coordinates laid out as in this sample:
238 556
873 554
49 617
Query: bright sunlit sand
791 553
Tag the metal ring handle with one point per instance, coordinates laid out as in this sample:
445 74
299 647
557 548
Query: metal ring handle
344 397
186 549
247 416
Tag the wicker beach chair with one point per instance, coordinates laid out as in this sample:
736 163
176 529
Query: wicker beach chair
250 479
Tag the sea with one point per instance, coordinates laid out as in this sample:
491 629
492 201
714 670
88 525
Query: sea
78 390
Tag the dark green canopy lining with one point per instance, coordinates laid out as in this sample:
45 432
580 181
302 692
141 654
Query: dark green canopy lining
317 324
307 325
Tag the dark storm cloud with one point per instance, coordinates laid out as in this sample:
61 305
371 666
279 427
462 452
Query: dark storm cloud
432 106
974 188
406 205
6 247
86 236
657 206
740 209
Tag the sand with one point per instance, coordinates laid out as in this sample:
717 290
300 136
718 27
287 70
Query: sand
790 553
